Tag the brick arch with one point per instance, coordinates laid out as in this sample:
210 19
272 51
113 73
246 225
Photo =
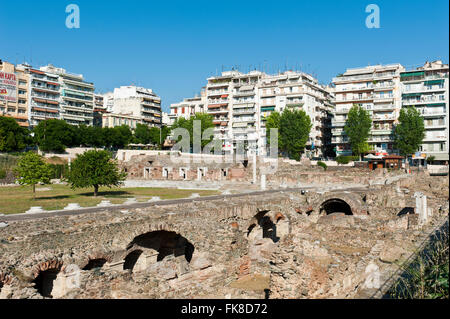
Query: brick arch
147 228
96 256
53 264
356 203
5 279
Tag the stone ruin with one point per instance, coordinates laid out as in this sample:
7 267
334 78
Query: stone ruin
284 244
282 173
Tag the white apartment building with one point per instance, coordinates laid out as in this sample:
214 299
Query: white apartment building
299 91
76 96
187 108
377 89
427 89
240 104
44 89
137 102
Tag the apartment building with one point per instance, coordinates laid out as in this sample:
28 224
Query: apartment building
99 109
187 108
299 91
240 104
378 90
44 97
113 120
14 91
427 89
245 124
76 96
139 103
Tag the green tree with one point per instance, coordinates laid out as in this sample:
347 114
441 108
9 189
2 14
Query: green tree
54 135
12 136
206 121
95 168
410 132
31 170
273 121
142 134
357 128
295 127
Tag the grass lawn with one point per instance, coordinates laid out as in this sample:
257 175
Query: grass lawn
18 199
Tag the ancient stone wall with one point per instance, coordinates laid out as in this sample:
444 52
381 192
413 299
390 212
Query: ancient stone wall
295 244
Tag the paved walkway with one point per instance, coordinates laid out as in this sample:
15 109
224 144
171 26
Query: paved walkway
87 210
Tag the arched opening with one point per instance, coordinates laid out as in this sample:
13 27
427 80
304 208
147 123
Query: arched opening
269 229
336 206
95 263
164 242
131 259
406 211
44 282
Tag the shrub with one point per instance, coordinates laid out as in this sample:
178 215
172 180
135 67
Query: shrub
322 164
430 159
346 159
2 173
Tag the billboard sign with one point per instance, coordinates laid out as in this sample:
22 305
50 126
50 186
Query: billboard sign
8 87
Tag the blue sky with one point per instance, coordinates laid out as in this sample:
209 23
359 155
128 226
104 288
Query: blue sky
173 46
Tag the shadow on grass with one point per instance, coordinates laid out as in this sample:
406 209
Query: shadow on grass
106 193
87 194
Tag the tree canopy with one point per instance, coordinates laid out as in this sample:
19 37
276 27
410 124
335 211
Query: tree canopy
410 132
295 127
357 128
31 170
13 137
54 135
206 121
95 168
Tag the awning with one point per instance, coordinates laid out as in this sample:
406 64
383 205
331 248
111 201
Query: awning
407 74
411 94
431 82
268 108
241 124
44 110
224 95
36 71
45 101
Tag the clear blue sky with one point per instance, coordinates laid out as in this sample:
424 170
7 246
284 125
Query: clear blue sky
173 46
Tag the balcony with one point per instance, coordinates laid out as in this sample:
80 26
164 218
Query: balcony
218 102
381 131
382 98
215 85
244 93
384 118
354 88
438 138
217 111
429 114
436 127
342 111
379 87
41 88
387 107
351 78
244 111
355 99
79 83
